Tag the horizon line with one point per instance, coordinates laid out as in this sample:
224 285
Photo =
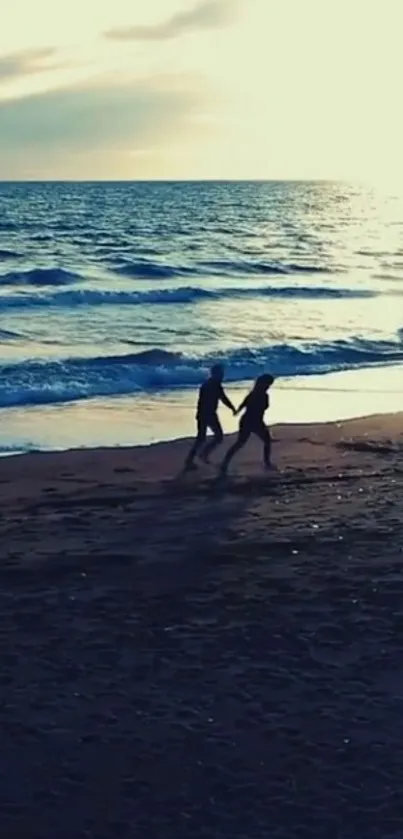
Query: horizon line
169 180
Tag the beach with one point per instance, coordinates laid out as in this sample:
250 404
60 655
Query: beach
170 415
200 235
113 309
182 657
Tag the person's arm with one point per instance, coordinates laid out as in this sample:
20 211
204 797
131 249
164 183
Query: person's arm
242 406
227 402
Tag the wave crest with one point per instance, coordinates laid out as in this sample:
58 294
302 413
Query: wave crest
7 254
152 271
148 269
34 382
8 335
40 277
95 297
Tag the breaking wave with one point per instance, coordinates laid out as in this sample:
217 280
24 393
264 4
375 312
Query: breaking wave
43 382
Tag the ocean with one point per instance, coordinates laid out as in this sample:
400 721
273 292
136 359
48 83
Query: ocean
115 298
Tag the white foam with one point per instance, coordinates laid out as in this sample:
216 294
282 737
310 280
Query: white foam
141 420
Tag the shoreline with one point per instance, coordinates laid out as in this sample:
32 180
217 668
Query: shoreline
169 415
176 652
177 445
296 446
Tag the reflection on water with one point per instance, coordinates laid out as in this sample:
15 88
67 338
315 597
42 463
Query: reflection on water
293 277
140 420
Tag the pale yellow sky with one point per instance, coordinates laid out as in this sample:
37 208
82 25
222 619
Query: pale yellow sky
213 89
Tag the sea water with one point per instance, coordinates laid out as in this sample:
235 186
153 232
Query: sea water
116 298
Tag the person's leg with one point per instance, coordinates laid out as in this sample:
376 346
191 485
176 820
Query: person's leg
198 443
215 425
243 437
264 435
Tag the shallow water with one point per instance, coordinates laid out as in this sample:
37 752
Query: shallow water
149 418
111 293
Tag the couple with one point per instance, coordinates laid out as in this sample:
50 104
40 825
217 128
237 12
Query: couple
252 422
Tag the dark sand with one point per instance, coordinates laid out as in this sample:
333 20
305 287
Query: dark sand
184 660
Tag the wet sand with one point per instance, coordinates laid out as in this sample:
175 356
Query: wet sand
170 414
181 658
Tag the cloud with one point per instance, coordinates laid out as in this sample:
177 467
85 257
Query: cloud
206 15
19 64
69 130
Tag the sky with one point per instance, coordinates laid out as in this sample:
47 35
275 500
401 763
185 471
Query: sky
178 89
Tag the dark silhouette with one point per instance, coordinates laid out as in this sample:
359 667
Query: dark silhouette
210 394
252 422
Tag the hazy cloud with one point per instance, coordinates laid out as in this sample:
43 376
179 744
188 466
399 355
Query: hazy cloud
19 64
207 15
57 129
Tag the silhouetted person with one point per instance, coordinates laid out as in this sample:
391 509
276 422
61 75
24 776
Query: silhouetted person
254 406
210 394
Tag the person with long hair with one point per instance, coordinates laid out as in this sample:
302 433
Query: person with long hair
252 422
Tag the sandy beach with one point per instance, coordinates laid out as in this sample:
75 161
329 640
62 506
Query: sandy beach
182 658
